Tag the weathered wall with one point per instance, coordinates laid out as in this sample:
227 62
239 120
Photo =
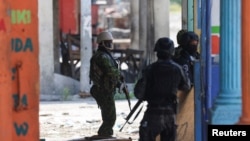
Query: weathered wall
46 43
161 17
19 73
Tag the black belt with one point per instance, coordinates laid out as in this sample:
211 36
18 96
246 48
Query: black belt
160 111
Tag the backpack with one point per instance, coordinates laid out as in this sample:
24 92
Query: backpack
95 73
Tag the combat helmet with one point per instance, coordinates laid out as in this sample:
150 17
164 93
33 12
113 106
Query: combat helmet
164 45
104 36
187 37
179 34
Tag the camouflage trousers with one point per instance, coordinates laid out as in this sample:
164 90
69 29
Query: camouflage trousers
105 100
153 125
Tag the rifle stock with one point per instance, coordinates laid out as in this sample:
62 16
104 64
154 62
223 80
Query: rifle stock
138 103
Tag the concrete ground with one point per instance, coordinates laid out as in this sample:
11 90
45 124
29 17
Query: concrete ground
80 117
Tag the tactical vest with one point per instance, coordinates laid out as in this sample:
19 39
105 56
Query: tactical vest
96 74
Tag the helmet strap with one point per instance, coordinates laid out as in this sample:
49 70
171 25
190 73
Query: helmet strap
110 47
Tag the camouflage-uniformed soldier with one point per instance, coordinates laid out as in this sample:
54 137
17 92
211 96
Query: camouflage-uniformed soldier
105 75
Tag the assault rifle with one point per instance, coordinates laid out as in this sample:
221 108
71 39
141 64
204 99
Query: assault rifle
125 91
138 103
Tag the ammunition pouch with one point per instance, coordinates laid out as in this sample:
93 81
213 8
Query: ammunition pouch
95 74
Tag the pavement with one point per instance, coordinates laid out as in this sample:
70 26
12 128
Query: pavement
81 117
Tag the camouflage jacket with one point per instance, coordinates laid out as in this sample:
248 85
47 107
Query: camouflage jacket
104 70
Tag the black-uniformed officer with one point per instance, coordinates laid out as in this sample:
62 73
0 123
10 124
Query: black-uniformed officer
189 53
164 79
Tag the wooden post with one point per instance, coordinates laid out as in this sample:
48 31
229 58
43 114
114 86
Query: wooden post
245 117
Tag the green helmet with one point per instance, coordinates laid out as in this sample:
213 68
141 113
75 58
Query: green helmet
104 36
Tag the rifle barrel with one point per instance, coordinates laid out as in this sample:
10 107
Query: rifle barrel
123 125
138 103
125 90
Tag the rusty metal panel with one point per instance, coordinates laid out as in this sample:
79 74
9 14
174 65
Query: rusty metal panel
69 15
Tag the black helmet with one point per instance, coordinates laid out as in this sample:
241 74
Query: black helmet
165 45
187 37
179 34
190 42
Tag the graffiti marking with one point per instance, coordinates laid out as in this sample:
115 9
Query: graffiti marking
23 101
17 45
20 16
21 129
